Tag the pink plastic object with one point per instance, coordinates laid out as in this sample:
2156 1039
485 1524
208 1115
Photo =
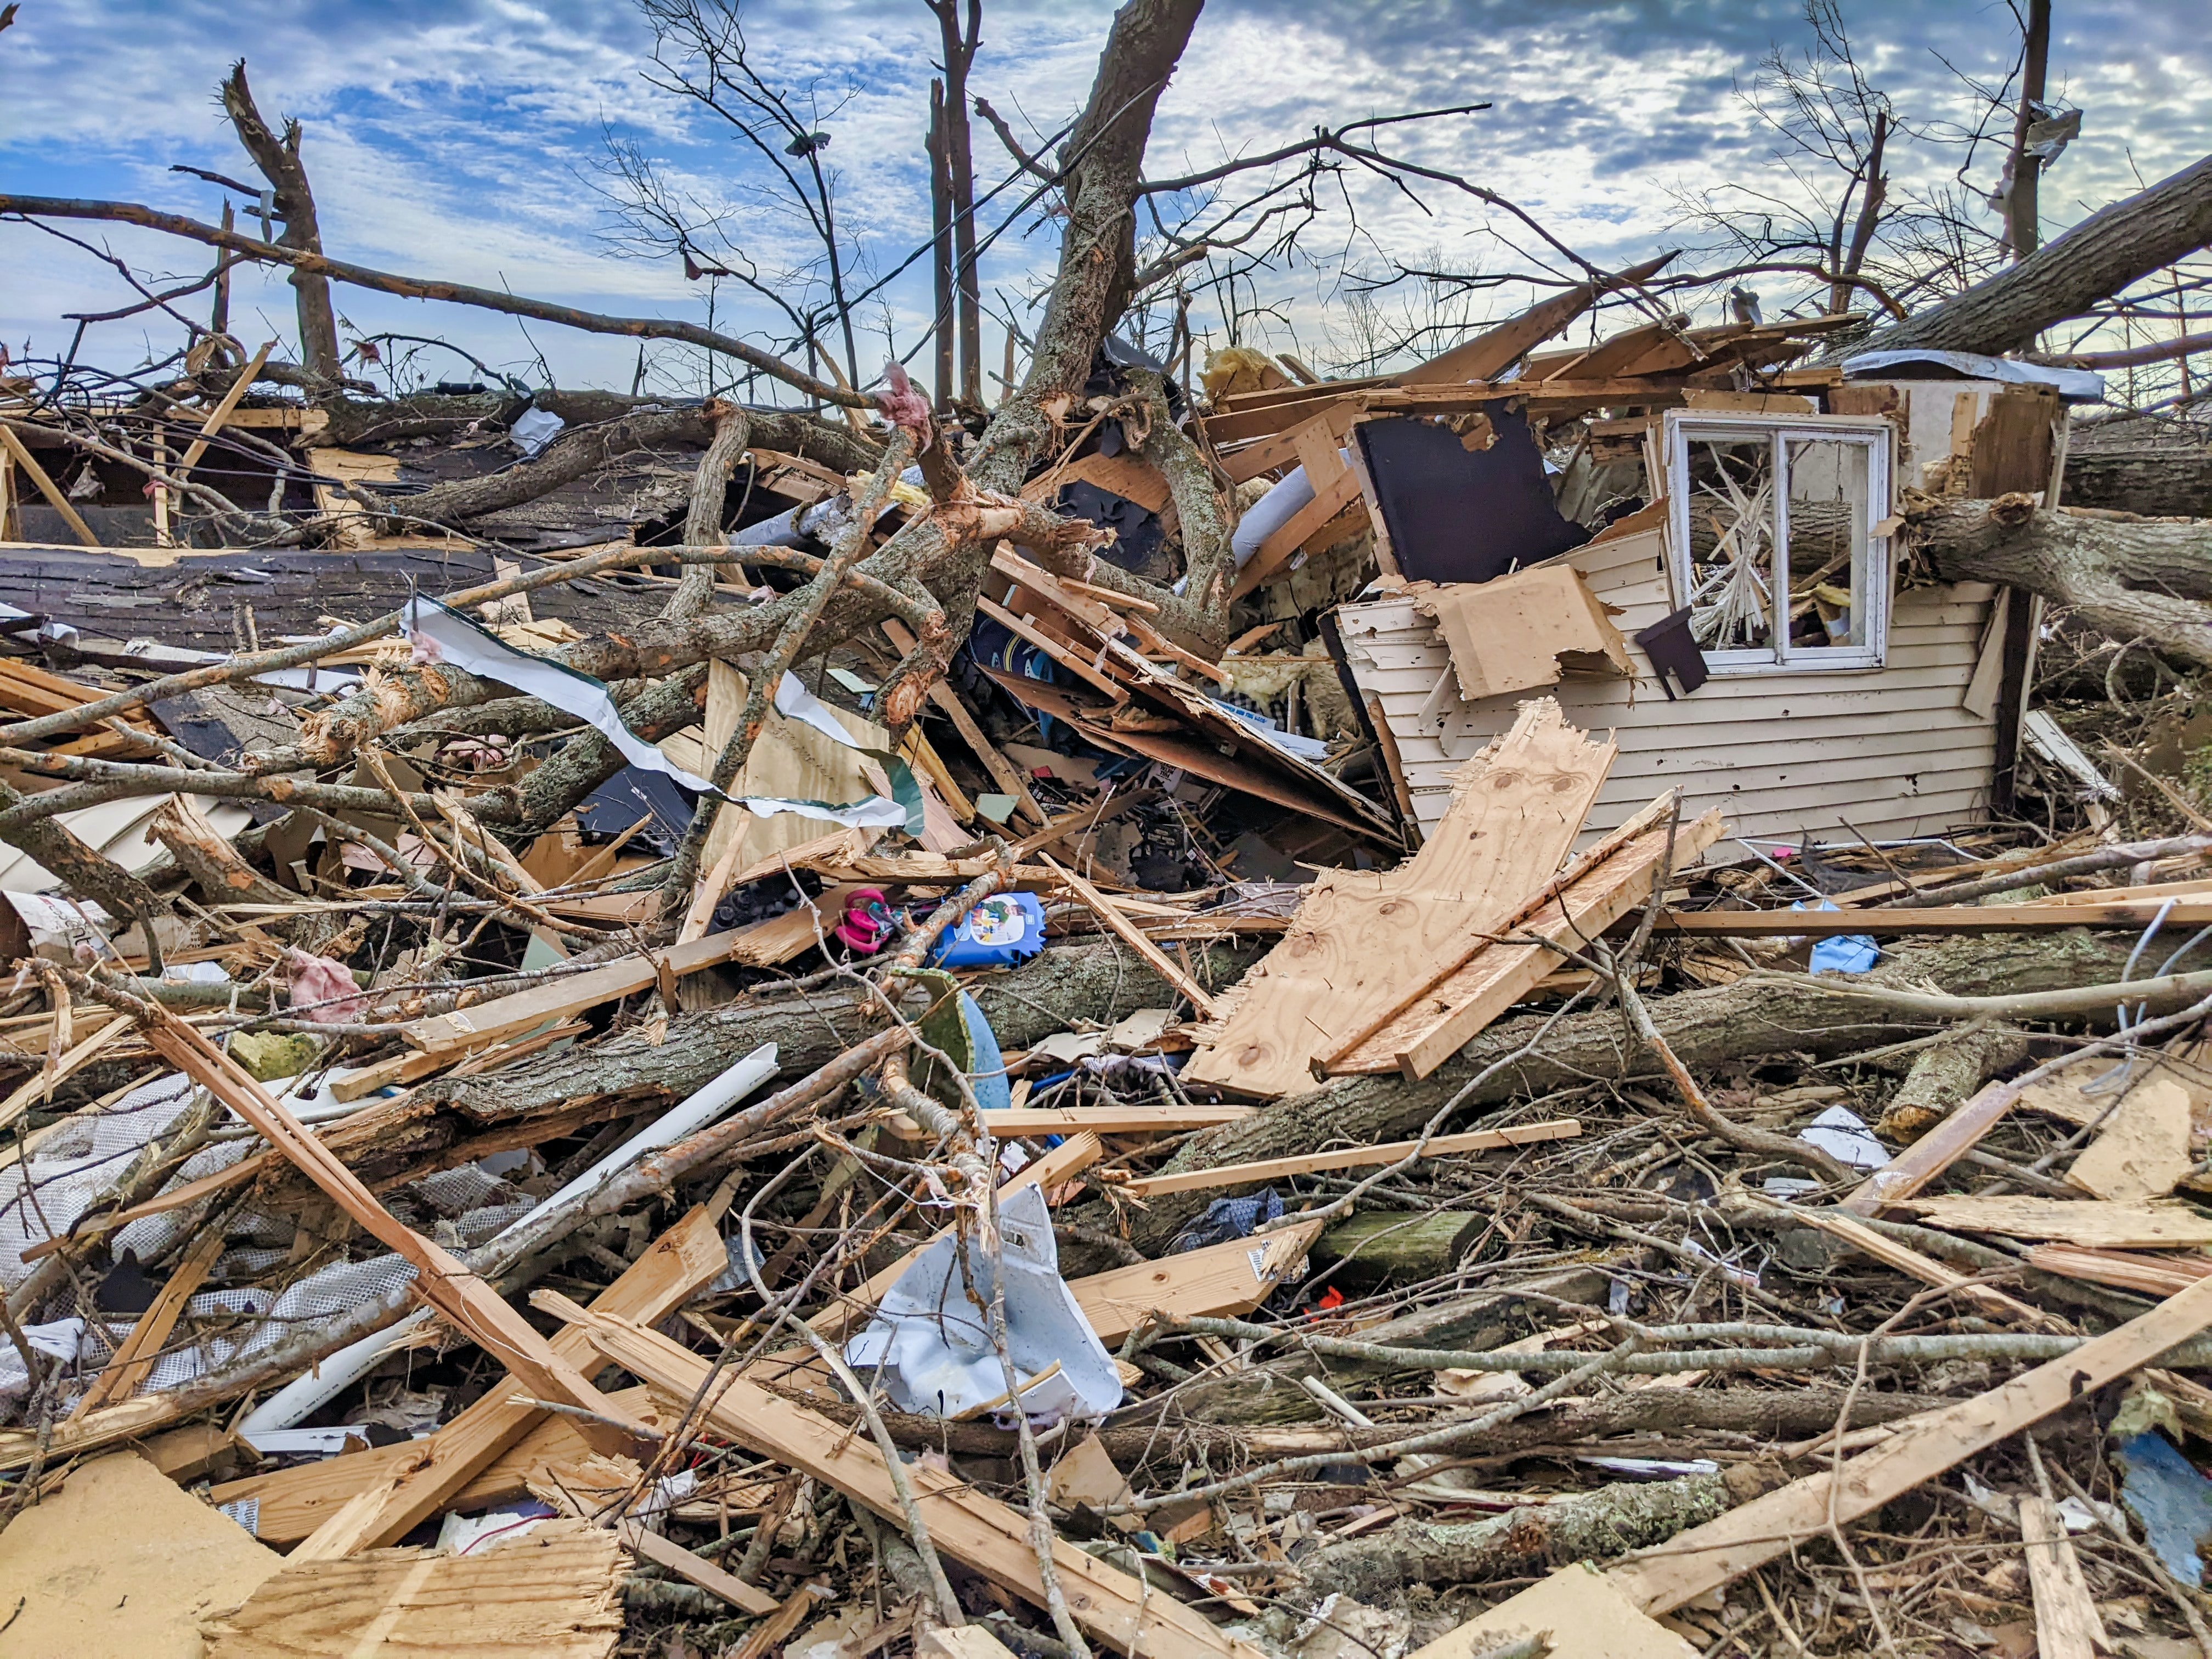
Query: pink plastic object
866 922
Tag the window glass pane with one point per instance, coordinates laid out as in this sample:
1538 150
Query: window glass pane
1828 545
1731 504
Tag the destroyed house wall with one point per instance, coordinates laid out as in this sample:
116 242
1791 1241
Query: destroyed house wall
1890 748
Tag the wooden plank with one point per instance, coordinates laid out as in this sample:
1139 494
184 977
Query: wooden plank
2152 1275
1935 1152
1496 350
552 1594
1073 661
1931 919
981 1533
2143 1151
688 1255
2089 1222
463 1299
1361 937
1112 1120
1131 936
1882 1247
1707 1557
1238 1174
1004 772
2066 1622
55 499
560 999
221 412
1603 885
1231 1277
1331 499
696 1570
127 1370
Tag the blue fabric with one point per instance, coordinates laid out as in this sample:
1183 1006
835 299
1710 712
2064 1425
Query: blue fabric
1226 1218
2172 1499
1846 953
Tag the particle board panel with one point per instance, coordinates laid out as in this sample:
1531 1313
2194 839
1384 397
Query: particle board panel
1359 937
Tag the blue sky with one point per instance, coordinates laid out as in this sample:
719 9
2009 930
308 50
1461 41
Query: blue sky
460 139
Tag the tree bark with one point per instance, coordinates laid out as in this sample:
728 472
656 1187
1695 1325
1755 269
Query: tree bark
1101 981
1943 1076
278 159
1102 162
2129 581
710 488
2097 259
2148 467
1705 1027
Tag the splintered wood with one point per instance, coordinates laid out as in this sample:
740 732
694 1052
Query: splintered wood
550 1594
1360 939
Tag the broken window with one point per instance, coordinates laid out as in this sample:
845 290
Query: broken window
1772 539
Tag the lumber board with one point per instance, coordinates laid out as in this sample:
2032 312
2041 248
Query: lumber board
552 1594
1004 773
1705 1558
1111 1120
462 1298
1073 660
980 1533
290 1504
687 1256
2152 1275
1131 935
571 995
2134 915
134 1360
1233 1277
1935 1152
696 1569
1349 1158
55 498
2088 1222
1603 885
2066 1622
1882 1247
1359 938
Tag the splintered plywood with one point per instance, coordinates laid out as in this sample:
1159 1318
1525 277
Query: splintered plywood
2142 1150
121 1565
1360 939
2146 1226
1604 884
550 1594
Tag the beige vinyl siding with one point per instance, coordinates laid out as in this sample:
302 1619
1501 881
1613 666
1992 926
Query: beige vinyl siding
1887 749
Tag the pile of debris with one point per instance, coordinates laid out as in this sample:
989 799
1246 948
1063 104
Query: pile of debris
670 1101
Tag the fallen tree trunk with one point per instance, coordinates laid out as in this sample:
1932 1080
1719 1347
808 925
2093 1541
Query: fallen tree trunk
2150 466
1100 980
1703 1027
2129 581
2097 259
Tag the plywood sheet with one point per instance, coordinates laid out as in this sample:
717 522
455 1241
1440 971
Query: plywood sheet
1583 1614
1524 630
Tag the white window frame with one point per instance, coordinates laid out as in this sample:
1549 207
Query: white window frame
1874 433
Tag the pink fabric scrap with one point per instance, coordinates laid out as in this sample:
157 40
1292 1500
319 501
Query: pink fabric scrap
903 405
323 990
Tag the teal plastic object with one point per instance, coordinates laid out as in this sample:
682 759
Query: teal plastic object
1000 931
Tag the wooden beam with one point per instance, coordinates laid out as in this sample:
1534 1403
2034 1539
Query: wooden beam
55 499
1057 650
127 1370
221 412
1705 1558
2066 1625
2134 915
1935 1152
1239 1175
980 1533
1004 772
560 998
696 1570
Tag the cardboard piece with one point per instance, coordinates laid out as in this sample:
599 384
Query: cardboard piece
120 1562
1518 632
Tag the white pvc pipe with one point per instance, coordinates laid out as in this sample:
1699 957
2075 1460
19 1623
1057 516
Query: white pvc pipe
336 1372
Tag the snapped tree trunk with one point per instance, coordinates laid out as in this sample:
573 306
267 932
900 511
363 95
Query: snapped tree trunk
2098 257
2146 581
278 159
